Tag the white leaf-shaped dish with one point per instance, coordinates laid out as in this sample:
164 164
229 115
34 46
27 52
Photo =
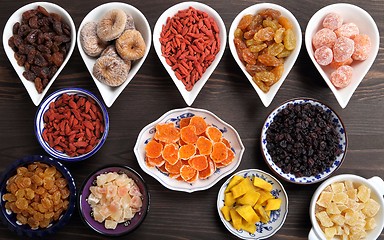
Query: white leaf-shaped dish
266 98
190 96
16 17
110 94
366 24
174 116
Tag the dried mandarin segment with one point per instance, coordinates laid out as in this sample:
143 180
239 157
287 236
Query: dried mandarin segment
219 152
171 153
188 134
199 162
184 122
187 151
214 133
187 172
204 145
199 123
153 149
162 169
194 177
207 172
167 132
175 168
226 142
159 161
229 159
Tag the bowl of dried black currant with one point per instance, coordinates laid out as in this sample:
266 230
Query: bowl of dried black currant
303 141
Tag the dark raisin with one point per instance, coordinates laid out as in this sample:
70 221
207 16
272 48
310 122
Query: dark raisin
28 14
39 85
24 30
57 58
42 10
33 23
31 56
40 60
57 27
11 43
15 28
32 36
43 49
20 59
45 82
30 76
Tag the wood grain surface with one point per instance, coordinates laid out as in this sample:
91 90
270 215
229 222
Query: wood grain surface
178 215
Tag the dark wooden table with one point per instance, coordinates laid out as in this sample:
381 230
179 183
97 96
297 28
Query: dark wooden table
179 215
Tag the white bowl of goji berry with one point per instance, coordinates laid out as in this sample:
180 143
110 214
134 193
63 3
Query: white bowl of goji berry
359 22
71 124
189 39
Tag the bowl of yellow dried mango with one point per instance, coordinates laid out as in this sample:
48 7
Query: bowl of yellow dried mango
252 204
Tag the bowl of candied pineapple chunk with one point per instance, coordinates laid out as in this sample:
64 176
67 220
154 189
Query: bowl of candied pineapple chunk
347 207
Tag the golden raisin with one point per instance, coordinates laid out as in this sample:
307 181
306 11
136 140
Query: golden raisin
245 21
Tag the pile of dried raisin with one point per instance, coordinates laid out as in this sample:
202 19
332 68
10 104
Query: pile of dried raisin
262 43
303 140
41 42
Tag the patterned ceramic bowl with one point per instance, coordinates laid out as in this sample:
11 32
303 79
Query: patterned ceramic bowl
86 212
310 179
277 217
174 116
9 218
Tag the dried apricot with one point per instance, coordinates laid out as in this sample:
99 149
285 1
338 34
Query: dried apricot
187 151
199 123
188 134
214 133
167 132
219 152
204 145
171 153
153 149
198 162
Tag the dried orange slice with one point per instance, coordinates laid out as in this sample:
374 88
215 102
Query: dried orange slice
153 149
199 162
194 178
171 153
148 164
187 151
175 168
188 134
187 172
199 123
184 122
214 133
179 178
228 160
181 142
207 172
219 152
167 132
204 145
162 169
174 175
156 162
226 142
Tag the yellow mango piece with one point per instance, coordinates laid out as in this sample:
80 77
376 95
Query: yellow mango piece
236 219
247 212
234 181
258 182
229 200
264 217
241 188
225 211
264 196
273 204
249 198
249 227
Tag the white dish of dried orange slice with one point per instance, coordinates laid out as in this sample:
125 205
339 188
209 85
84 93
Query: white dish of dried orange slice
188 149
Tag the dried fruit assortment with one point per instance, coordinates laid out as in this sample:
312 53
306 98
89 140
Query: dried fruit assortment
38 194
248 201
114 199
262 42
189 42
116 43
73 124
41 41
302 140
338 45
189 152
346 210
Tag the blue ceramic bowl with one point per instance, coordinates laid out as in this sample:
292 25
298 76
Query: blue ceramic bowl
307 179
40 125
85 209
9 218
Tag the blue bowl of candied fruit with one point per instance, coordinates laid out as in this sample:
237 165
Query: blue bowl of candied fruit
303 141
37 196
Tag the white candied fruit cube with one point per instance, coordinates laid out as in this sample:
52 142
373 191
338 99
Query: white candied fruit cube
110 224
363 193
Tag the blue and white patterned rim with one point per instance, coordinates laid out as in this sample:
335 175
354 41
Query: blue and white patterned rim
312 179
277 218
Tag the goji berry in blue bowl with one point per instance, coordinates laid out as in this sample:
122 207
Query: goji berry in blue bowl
71 124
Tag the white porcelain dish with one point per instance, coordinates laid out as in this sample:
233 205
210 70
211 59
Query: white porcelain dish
266 98
366 24
110 94
174 116
277 218
190 96
16 17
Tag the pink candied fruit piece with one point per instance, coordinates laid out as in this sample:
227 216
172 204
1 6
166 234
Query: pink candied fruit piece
362 47
324 37
324 55
336 65
343 49
348 30
332 21
342 76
